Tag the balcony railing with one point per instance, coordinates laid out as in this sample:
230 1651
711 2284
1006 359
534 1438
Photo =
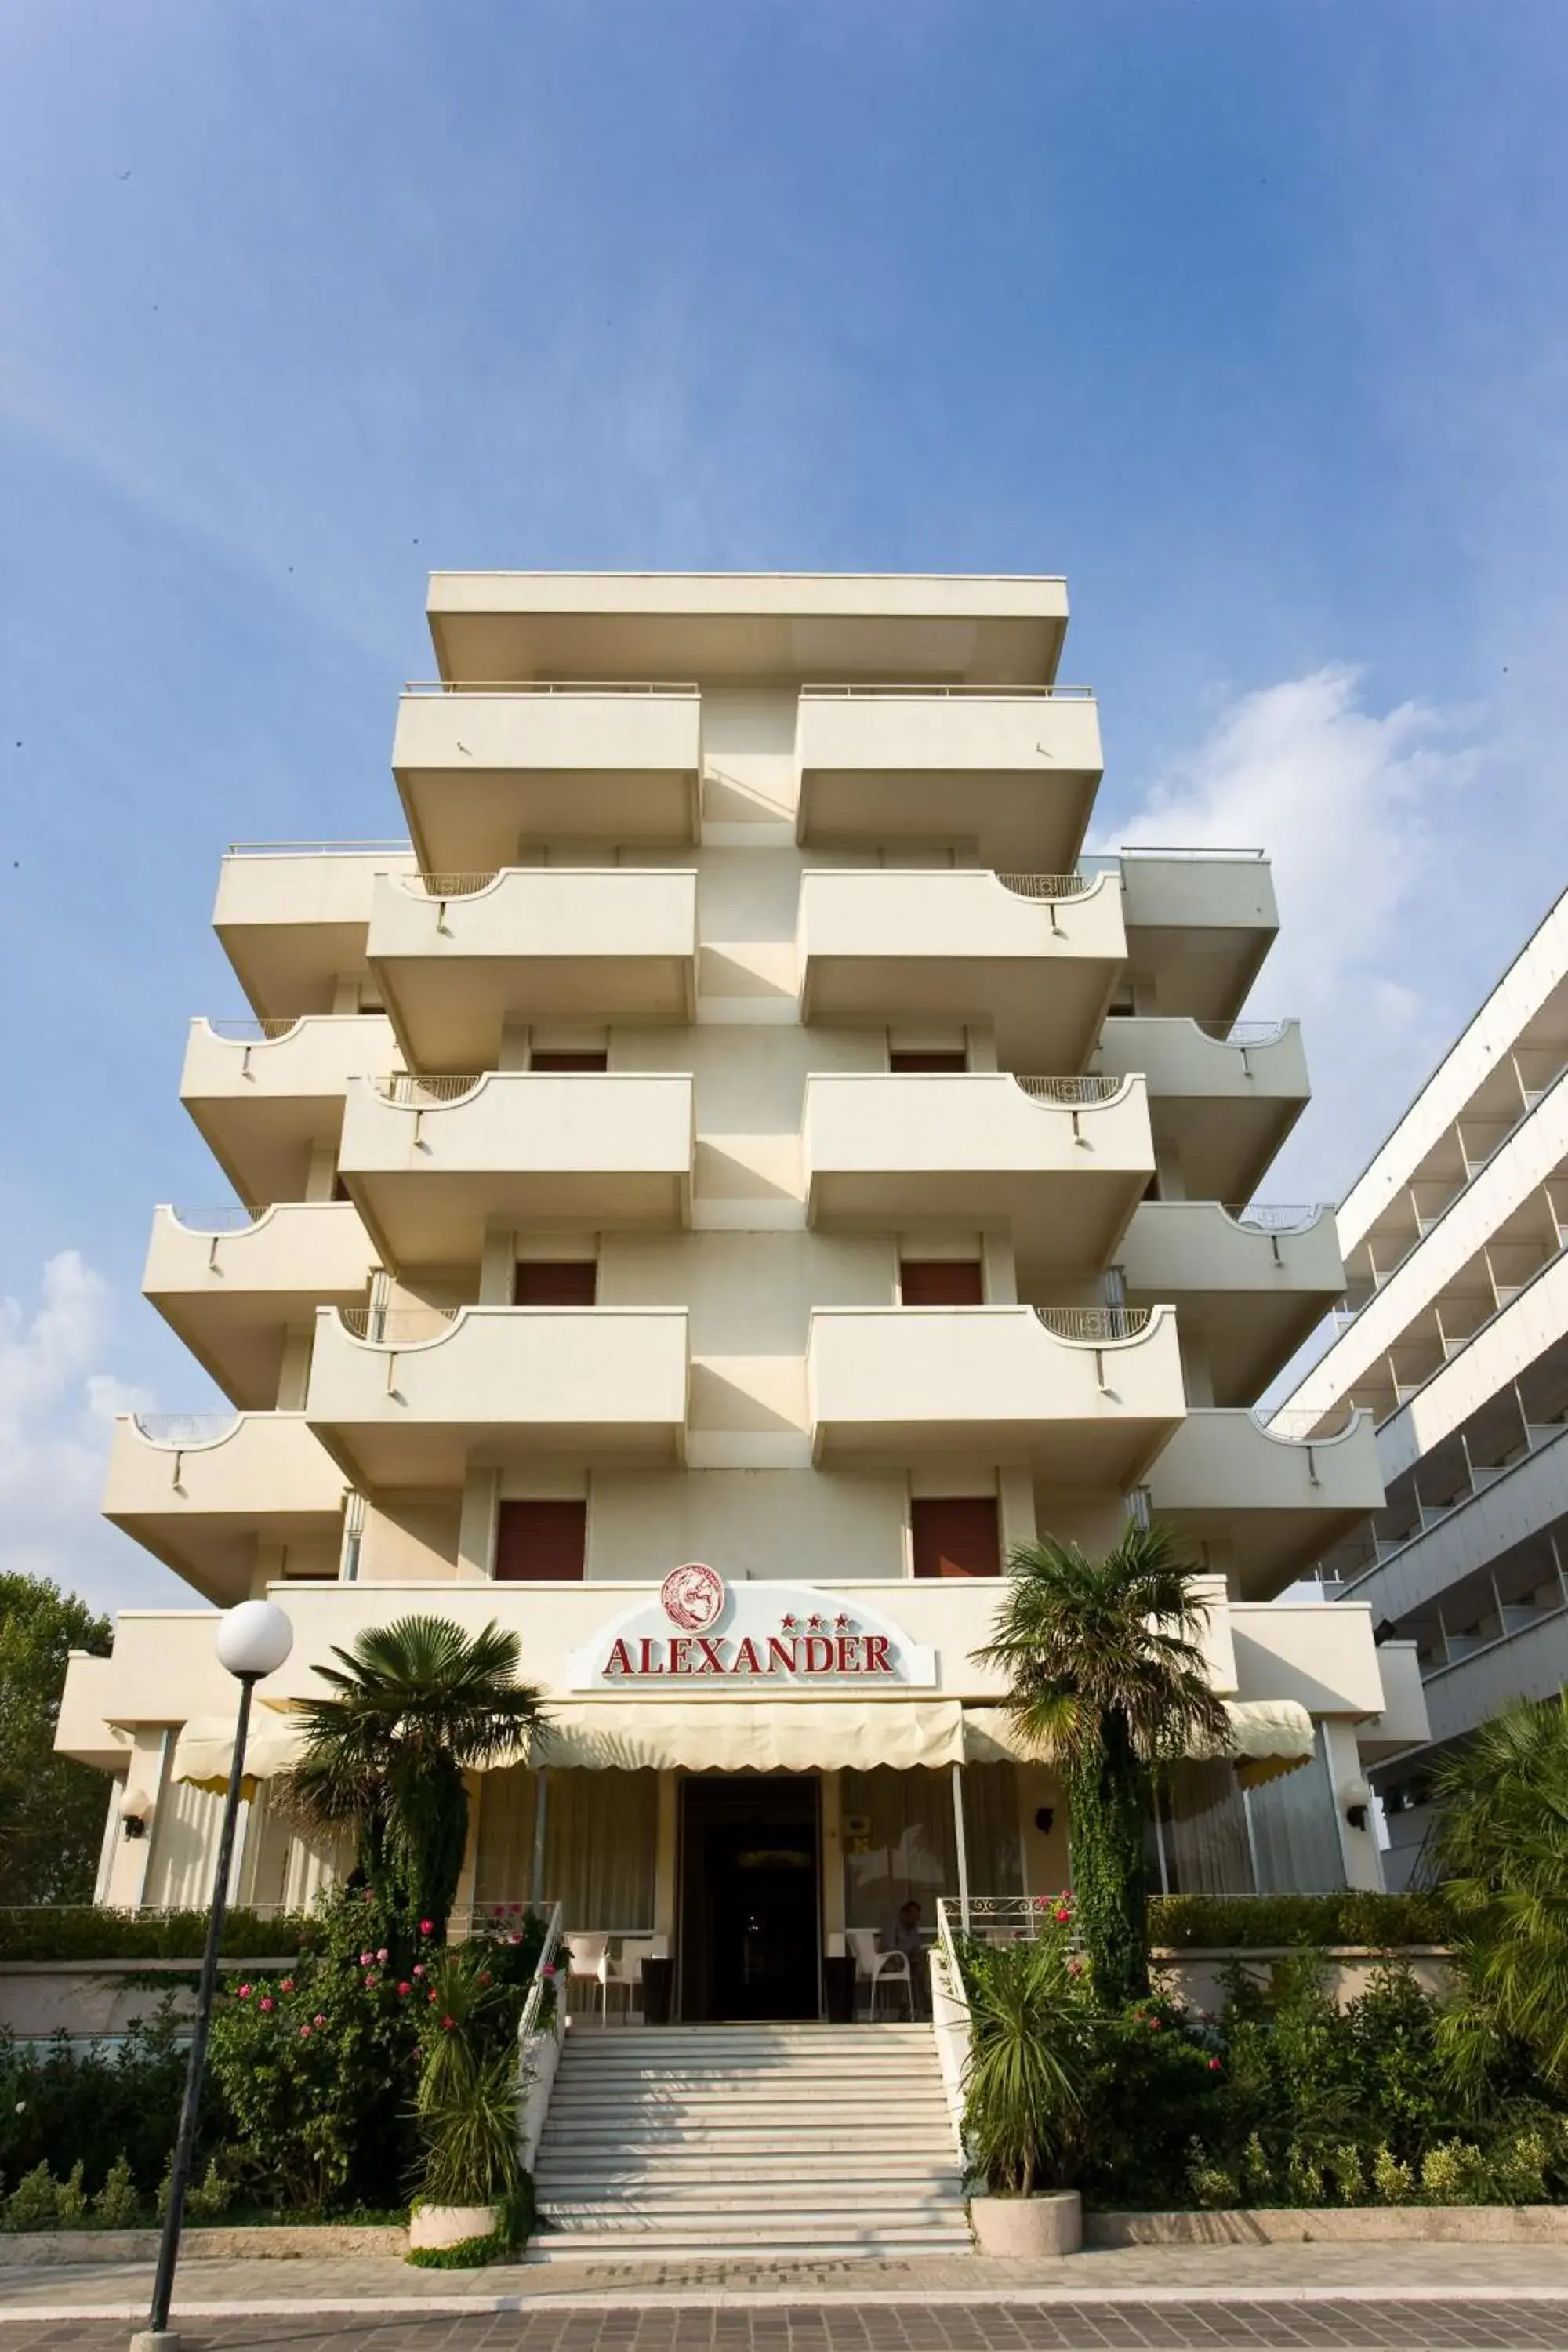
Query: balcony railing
1293 1425
547 685
412 1092
1095 1326
182 1432
459 884
1243 1033
1279 1217
251 1033
228 1217
909 692
321 849
1078 1092
397 1326
1049 887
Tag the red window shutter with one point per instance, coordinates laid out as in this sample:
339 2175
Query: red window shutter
955 1059
956 1535
941 1282
550 1282
599 1060
541 1543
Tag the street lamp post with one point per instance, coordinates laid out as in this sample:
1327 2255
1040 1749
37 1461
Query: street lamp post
252 1641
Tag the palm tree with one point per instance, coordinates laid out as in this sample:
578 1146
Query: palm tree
1106 1676
415 1706
1499 1846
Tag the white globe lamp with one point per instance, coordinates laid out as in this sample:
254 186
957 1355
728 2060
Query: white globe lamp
254 1640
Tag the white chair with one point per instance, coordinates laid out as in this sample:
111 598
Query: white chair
880 1967
591 1964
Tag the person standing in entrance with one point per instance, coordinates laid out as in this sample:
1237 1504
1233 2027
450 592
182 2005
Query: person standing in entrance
904 1934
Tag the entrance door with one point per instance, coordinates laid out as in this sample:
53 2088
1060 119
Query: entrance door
751 1873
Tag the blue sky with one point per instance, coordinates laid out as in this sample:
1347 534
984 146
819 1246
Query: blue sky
1251 318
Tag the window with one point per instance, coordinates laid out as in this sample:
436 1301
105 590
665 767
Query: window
541 1543
913 1060
941 1282
589 1059
956 1535
554 1282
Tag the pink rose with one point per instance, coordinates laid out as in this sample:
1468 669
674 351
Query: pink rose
365 1958
1062 1919
549 1971
419 1968
406 1988
317 2019
434 1997
265 2003
245 1992
286 1984
381 1954
447 2023
514 1938
304 2033
1213 2065
427 1927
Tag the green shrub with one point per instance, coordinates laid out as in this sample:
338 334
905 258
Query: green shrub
70 2199
117 2205
90 1932
1030 2044
1185 1923
1516 2171
34 2202
1452 2173
67 2104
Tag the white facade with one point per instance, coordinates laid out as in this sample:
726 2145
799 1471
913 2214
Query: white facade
737 1131
1455 1337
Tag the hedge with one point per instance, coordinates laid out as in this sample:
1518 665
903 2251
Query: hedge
1185 1923
89 1933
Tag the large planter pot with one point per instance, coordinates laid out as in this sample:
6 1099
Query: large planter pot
432 2227
1028 2228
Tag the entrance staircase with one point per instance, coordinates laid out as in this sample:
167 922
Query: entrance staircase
748 2140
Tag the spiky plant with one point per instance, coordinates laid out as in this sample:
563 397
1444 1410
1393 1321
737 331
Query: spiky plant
1027 2052
1499 1846
1105 1675
414 1706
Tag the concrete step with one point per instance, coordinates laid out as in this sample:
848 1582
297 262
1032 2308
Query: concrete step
742 2131
829 2239
594 2167
585 2149
615 2207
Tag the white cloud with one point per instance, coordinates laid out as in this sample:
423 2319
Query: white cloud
55 1405
1358 813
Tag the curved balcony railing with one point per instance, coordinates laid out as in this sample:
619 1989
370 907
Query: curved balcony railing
1299 1424
1277 1216
397 1326
1243 1033
455 885
228 1217
409 1091
1095 1327
1048 887
1079 1094
185 1433
252 1032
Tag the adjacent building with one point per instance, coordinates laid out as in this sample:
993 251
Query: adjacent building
1455 1339
733 1173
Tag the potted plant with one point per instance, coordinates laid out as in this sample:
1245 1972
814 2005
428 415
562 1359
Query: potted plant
1029 2035
466 2104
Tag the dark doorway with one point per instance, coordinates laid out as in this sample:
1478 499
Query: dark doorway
750 1878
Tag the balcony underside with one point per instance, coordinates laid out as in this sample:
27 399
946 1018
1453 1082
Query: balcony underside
1273 1506
440 1216
1045 1012
264 1144
449 1009
397 1450
1226 1144
1056 1218
1018 821
473 820
1249 1335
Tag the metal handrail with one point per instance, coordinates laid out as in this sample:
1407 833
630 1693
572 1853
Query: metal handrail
543 1975
182 1431
1095 1325
1010 1918
565 685
319 849
1243 1033
455 885
252 1032
915 692
411 1092
1186 849
228 1217
1081 1093
1047 886
1278 1216
397 1326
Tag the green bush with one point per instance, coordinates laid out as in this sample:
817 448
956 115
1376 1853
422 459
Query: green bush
117 2205
66 2105
34 2202
92 1933
1185 1923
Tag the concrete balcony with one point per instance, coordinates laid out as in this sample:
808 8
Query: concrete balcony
1507 1513
431 1162
483 769
1222 1100
201 1490
1199 925
892 1385
1472 1688
1011 774
878 945
429 1393
1252 1284
266 1095
232 1282
561 944
292 915
1060 1163
1276 1500
738 625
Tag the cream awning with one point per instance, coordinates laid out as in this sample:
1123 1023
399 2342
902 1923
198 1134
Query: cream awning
1268 1737
760 1736
205 1748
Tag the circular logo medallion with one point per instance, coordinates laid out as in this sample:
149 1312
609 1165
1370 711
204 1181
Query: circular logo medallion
692 1596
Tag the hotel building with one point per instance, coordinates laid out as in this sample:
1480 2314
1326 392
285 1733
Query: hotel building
729 1175
1455 1340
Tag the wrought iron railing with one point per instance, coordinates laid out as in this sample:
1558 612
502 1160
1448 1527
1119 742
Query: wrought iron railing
1095 1327
251 1033
998 1919
228 1217
1080 1093
1243 1033
397 1326
413 1092
1295 1425
1050 887
455 885
182 1432
1279 1217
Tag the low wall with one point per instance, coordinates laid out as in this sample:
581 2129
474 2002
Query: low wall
1196 1979
332 2243
1337 2225
91 1999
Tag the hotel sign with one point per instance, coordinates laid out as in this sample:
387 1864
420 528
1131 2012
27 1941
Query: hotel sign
753 1639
